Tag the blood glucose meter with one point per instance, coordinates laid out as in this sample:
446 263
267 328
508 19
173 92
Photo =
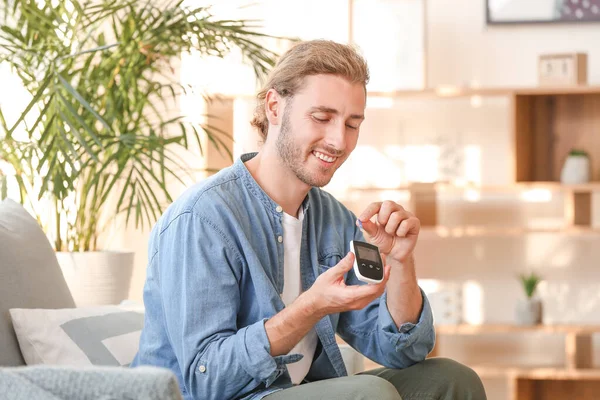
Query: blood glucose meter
368 265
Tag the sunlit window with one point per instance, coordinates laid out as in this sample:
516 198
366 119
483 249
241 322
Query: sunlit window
313 19
13 99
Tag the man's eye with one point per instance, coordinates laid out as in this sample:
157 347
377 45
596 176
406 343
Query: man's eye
351 127
320 119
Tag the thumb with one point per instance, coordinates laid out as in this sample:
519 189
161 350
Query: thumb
344 265
368 226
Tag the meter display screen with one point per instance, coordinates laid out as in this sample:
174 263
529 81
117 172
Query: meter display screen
368 254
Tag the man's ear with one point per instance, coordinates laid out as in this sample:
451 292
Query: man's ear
273 107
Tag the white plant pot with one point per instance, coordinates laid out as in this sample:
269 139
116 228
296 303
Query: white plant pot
576 170
529 312
97 277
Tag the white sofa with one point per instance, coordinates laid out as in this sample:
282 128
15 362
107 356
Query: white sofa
30 278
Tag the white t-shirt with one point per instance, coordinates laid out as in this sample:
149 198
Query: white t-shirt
292 287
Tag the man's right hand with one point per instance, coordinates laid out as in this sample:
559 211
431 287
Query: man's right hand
330 294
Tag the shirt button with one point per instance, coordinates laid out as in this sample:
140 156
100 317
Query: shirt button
279 209
202 368
280 239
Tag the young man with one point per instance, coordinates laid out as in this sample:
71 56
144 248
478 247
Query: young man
250 274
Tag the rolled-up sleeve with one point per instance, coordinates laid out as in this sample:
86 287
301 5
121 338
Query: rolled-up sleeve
373 332
411 342
199 284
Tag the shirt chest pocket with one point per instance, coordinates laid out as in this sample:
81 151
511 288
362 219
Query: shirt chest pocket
329 259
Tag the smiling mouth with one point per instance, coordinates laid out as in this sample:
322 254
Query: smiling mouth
324 157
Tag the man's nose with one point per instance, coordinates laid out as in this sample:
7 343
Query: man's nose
336 137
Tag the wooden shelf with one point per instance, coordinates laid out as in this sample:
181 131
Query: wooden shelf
524 186
444 92
457 91
515 187
424 197
535 373
484 231
557 374
466 329
577 378
557 90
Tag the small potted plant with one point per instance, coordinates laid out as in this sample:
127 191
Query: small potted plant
529 310
576 169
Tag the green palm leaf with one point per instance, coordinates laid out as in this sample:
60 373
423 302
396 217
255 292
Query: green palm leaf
100 130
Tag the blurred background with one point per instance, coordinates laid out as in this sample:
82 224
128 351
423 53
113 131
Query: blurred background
483 118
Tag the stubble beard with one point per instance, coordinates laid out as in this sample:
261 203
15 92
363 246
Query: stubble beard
292 157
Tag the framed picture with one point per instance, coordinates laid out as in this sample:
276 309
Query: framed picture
542 11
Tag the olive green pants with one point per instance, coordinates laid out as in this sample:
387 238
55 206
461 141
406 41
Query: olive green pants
432 379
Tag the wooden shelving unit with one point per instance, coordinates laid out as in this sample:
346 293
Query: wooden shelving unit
548 124
528 383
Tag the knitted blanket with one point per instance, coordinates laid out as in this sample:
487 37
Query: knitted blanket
97 383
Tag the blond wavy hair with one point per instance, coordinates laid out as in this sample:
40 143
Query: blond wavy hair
308 58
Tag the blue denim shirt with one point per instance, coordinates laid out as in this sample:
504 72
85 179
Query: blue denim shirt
215 275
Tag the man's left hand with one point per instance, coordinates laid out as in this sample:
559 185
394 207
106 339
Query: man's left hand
394 231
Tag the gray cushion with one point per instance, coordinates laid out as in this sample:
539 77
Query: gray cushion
29 274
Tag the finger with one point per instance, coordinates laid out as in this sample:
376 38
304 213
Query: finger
371 210
360 292
364 294
368 226
343 266
387 208
409 226
394 222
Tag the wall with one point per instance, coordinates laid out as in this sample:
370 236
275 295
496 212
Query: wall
462 50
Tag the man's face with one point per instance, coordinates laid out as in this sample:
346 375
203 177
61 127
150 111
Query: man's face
319 127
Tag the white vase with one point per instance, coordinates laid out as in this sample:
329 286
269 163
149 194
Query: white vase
576 170
97 277
528 311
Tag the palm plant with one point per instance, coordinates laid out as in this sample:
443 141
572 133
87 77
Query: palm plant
95 137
